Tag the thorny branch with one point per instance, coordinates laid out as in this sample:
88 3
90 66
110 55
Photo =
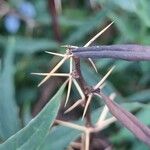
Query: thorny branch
84 87
126 52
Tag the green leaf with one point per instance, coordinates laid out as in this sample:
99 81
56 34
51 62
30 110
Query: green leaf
137 146
128 5
128 31
30 45
31 137
122 65
87 27
9 115
141 96
59 138
104 63
145 66
143 11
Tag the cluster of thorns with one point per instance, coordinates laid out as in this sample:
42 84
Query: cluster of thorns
86 94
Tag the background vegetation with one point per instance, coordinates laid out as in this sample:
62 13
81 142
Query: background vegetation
28 28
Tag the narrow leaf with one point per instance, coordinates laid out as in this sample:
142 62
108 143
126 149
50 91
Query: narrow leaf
28 45
9 115
31 137
88 26
54 138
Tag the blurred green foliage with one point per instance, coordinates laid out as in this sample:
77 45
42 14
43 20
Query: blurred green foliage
23 52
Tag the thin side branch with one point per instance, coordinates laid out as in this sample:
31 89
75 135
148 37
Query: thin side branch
71 125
